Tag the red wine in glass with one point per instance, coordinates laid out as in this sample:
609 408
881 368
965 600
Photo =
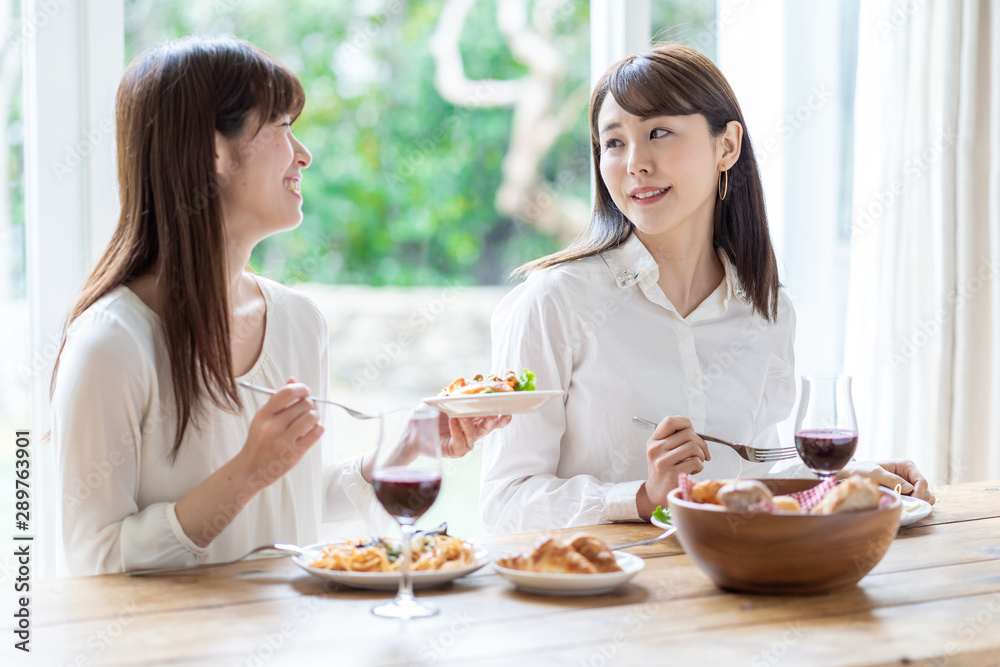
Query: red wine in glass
406 476
826 429
406 494
826 450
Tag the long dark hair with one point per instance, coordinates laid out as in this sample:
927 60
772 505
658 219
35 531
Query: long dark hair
674 80
170 103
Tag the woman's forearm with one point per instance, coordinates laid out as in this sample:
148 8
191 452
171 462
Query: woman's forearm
212 505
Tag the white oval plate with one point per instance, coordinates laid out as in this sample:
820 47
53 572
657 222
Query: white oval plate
488 405
914 509
385 581
545 583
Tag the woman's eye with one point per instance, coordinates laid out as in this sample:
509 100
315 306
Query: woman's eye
612 143
659 132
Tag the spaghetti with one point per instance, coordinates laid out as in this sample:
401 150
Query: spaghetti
434 552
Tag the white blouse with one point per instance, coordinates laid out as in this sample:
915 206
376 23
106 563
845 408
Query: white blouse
602 330
113 425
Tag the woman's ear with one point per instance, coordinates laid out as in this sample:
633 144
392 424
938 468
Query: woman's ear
225 157
731 143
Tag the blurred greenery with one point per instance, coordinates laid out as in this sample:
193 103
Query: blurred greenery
402 186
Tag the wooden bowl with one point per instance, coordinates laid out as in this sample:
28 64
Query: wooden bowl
784 553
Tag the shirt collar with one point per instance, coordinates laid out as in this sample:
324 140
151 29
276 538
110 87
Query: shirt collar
631 263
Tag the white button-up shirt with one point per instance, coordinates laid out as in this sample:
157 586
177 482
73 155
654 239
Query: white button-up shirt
602 330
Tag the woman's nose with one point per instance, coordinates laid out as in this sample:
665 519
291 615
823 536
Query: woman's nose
639 160
303 157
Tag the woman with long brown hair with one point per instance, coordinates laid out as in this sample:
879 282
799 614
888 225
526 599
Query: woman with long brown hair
668 304
165 460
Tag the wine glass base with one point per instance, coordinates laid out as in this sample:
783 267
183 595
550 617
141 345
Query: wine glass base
404 609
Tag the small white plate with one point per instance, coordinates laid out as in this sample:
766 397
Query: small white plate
487 405
384 581
914 509
545 583
660 524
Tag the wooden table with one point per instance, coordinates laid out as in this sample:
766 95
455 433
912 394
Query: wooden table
934 599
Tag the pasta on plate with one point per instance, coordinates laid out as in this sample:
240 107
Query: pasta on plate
429 552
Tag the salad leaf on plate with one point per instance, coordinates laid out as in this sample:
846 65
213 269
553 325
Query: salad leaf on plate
526 381
663 515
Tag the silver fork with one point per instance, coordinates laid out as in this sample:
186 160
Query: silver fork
752 454
357 414
667 533
281 549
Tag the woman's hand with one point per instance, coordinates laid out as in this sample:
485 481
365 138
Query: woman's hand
459 435
672 449
891 473
281 432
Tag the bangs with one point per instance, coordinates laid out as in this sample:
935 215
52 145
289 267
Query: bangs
643 90
278 91
253 81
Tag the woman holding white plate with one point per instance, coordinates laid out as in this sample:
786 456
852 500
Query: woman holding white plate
669 304
165 460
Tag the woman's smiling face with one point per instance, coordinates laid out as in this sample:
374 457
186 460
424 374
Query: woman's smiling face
662 172
260 178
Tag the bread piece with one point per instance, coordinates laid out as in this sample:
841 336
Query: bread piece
596 551
786 504
739 495
708 491
856 494
558 556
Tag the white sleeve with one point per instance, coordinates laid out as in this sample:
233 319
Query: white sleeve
102 394
521 489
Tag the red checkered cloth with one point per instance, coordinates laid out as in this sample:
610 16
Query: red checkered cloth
763 506
685 483
809 498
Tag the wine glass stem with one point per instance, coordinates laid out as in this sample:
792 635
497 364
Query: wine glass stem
405 594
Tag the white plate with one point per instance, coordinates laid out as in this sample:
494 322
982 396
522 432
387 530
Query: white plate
487 405
545 583
914 509
385 581
660 524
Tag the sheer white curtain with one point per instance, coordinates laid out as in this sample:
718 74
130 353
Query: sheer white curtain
923 326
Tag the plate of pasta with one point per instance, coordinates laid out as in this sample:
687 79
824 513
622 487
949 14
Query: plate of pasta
372 562
499 394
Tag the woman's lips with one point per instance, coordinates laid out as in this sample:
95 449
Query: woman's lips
649 196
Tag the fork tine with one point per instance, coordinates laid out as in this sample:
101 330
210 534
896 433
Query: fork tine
779 455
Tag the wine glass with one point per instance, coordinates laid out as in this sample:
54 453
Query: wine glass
407 479
826 430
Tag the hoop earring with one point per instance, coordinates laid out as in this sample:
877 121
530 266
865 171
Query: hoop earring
725 189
